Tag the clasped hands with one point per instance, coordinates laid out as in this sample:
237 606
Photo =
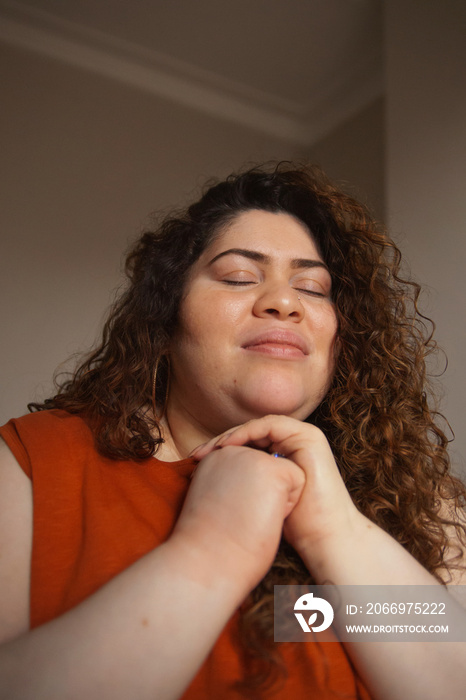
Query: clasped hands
242 498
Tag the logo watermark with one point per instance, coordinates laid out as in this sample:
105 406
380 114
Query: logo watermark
370 613
310 603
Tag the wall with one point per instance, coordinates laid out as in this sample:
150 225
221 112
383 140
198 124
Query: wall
84 161
354 155
426 171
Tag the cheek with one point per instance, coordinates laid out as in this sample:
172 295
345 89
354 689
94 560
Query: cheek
210 316
326 330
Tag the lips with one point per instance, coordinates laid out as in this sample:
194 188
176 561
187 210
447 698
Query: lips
278 342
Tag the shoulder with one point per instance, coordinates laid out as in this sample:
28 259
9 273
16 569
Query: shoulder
49 420
45 434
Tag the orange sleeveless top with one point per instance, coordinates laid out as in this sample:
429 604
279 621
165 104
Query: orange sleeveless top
94 517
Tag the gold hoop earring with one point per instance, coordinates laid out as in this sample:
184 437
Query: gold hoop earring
154 384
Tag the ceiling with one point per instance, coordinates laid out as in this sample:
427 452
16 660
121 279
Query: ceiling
291 68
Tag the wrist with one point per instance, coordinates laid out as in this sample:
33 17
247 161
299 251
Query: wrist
211 565
328 555
363 553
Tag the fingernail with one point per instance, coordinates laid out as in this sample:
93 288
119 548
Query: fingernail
196 449
222 439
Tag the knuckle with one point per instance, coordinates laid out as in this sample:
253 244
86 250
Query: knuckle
316 432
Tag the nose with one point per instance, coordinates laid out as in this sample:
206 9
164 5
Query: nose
279 301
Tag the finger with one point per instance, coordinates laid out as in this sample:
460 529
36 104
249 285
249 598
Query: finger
268 432
205 448
273 432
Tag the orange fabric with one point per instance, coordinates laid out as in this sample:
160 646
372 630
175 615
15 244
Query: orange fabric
93 517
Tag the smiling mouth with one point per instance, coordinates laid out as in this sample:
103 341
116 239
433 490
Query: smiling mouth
276 349
278 343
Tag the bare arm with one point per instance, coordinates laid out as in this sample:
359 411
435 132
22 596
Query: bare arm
148 630
365 554
340 545
15 545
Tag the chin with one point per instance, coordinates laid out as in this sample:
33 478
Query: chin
280 396
285 406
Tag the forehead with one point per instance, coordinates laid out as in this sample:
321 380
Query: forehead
274 234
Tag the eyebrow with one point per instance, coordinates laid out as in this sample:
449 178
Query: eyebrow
296 263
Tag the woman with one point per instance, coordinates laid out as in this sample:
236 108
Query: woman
268 319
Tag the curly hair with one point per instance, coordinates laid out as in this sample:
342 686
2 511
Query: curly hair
390 449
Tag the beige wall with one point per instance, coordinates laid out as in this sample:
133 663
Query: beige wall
354 155
426 171
84 161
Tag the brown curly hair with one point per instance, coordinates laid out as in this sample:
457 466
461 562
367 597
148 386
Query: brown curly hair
390 449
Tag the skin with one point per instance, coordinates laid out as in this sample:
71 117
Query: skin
341 546
231 406
220 376
335 541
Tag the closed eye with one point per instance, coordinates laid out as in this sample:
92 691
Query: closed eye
311 292
238 282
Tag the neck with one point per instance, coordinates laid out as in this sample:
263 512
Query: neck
181 433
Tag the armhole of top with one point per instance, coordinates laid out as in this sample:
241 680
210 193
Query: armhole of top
12 440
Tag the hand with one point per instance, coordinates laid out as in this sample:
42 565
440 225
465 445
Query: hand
325 508
235 508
